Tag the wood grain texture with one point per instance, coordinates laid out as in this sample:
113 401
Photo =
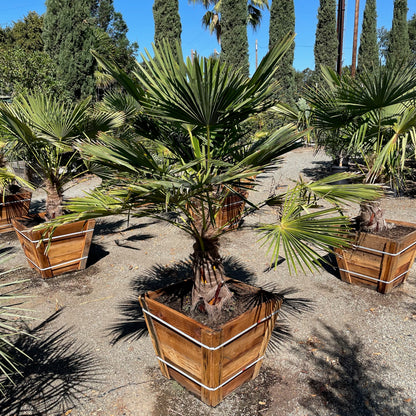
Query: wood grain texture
13 206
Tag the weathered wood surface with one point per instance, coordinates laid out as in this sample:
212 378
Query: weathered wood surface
210 367
13 206
381 266
64 253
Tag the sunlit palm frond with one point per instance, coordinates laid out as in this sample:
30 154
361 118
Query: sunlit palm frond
336 190
302 233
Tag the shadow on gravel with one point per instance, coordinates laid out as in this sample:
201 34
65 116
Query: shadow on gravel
330 265
345 381
96 254
319 170
56 373
5 251
253 398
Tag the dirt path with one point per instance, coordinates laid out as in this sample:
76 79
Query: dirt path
353 354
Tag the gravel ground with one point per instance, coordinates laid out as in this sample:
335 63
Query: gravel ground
352 354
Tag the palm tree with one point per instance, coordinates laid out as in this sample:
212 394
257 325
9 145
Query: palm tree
212 18
374 115
42 131
196 113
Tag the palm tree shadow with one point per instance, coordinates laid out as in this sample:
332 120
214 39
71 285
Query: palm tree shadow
330 265
132 326
345 381
96 253
56 373
319 171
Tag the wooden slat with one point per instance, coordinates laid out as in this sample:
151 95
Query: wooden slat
211 368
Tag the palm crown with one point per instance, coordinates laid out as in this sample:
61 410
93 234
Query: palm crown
195 114
42 131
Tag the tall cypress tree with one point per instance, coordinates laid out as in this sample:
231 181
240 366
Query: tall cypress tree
234 42
167 22
326 41
282 21
68 37
399 48
368 51
412 39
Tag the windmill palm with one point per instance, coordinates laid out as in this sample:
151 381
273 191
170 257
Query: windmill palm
212 18
196 111
42 131
374 114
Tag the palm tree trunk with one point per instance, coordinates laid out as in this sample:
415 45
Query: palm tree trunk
210 292
53 201
371 218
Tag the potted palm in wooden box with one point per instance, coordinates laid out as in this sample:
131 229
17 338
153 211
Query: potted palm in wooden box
209 333
42 132
377 112
14 199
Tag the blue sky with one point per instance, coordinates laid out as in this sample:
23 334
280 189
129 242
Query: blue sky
139 18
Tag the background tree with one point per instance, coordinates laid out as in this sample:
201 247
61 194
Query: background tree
167 22
234 42
69 36
282 21
212 18
399 49
27 33
112 35
72 28
383 43
368 57
412 39
22 72
24 66
326 41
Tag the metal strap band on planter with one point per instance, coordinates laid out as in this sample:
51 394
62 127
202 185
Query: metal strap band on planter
373 278
6 225
203 385
53 238
14 202
233 203
56 265
200 343
383 252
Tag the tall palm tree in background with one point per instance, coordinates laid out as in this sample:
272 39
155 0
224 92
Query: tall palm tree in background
212 18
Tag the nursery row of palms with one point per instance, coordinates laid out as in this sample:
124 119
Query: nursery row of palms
371 118
173 143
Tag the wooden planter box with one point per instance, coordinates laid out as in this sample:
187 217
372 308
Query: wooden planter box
378 262
231 211
210 363
67 251
15 205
